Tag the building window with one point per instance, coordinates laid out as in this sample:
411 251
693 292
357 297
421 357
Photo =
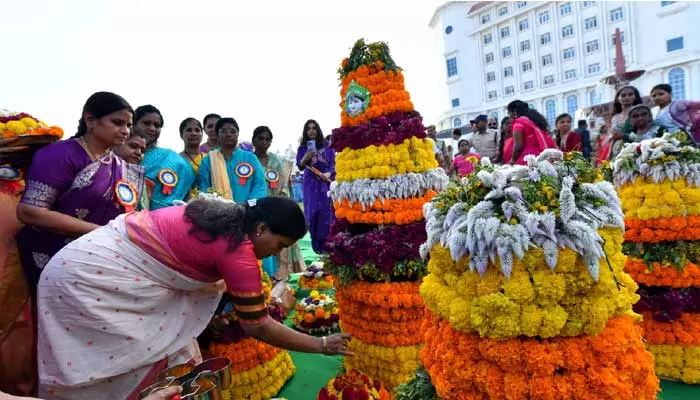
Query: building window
550 110
502 11
616 14
510 90
451 67
624 60
548 80
531 106
490 76
507 52
494 115
676 78
455 102
674 44
666 3
448 30
528 85
570 74
569 53
526 66
572 105
521 4
622 38
485 19
525 46
523 25
565 9
492 95
505 32
592 46
590 23
456 123
489 58
507 72
588 3
545 39
487 38
567 31
594 97
544 17
546 60
593 68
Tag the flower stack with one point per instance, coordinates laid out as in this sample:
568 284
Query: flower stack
259 370
385 171
353 385
526 294
315 278
17 124
316 314
659 186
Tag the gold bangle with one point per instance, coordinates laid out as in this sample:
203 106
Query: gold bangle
324 341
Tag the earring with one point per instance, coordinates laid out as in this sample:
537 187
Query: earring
257 234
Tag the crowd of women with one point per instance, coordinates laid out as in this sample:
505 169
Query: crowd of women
525 131
123 274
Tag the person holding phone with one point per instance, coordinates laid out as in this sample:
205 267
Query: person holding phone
317 160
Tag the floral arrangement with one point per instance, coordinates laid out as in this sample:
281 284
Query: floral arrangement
316 314
316 278
353 385
14 124
258 370
659 185
386 171
527 296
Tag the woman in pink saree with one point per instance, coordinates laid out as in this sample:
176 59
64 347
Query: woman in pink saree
529 133
124 302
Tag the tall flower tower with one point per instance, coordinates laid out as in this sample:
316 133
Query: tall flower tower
385 172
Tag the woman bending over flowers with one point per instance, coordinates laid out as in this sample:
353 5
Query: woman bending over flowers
529 133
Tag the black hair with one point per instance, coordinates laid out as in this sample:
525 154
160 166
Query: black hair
617 106
186 121
101 104
457 132
320 139
556 130
663 86
460 142
502 139
639 107
142 111
582 123
216 219
208 116
522 109
260 130
226 120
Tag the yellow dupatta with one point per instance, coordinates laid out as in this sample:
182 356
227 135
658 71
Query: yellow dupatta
219 175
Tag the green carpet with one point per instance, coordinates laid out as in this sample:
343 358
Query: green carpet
315 370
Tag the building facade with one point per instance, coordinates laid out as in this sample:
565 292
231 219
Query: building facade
553 55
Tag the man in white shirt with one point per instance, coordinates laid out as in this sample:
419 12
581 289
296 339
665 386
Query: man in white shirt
485 140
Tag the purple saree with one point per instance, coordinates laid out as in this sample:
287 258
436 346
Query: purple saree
64 179
318 208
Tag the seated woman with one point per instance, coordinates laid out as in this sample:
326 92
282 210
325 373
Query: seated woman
129 297
643 125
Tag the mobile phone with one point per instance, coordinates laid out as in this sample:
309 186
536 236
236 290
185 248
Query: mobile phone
311 145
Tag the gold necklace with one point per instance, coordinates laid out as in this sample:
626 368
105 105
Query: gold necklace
92 155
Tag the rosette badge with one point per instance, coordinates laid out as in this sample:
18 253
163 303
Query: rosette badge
526 296
385 172
659 185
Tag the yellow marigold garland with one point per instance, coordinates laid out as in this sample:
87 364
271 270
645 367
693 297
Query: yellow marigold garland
265 381
535 301
390 365
647 200
677 362
378 162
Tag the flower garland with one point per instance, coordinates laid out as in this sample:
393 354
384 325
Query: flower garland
383 247
265 381
535 301
658 275
353 385
666 230
402 186
389 211
648 200
389 365
392 128
378 162
679 363
558 200
22 124
683 331
668 304
315 278
316 314
674 254
245 354
612 365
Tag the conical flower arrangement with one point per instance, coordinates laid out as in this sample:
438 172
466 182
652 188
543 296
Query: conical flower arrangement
659 186
526 294
385 172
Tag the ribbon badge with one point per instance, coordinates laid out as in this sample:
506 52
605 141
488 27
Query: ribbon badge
272 178
126 195
244 171
10 180
168 178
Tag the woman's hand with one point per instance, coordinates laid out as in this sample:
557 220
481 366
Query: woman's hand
336 344
169 393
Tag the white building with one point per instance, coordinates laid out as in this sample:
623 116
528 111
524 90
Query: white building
554 54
